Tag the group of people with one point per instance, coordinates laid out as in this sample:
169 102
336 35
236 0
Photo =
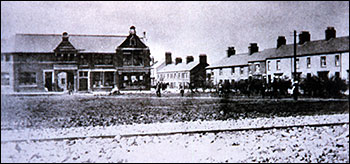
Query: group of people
160 86
275 89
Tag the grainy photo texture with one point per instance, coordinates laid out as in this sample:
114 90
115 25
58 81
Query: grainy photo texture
179 82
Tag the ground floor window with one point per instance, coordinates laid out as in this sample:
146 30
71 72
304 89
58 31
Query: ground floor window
5 78
27 78
134 81
102 79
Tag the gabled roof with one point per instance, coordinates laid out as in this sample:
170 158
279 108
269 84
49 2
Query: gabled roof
179 67
48 42
340 44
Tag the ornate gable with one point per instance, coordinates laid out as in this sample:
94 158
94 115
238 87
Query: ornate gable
65 45
132 41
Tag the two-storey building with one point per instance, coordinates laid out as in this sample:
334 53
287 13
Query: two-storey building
51 62
183 73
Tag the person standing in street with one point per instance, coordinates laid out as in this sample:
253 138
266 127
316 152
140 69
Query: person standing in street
158 87
181 90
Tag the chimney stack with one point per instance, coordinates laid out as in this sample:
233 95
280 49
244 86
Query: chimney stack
281 41
304 37
168 58
253 48
231 51
65 36
189 59
178 60
203 59
330 33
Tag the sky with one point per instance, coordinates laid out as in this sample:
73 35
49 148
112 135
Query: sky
181 27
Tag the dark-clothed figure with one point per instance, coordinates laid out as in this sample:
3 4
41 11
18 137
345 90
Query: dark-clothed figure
70 88
158 88
182 91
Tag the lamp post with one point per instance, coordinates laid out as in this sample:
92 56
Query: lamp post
295 81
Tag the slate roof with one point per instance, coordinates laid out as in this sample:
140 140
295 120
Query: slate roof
179 67
234 60
48 42
340 44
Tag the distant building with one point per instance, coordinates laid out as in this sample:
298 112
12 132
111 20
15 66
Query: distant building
324 58
185 73
51 62
233 67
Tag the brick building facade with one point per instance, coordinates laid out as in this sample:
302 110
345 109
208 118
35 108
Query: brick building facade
51 62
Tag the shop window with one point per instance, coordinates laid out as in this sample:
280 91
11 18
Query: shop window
5 78
27 78
108 79
103 79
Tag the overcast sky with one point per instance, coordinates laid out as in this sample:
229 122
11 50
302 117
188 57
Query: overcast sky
183 28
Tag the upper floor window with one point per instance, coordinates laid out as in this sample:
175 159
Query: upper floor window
27 78
278 65
268 65
308 62
133 58
220 71
337 60
323 61
106 59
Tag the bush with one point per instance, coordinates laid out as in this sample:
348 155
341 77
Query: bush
315 86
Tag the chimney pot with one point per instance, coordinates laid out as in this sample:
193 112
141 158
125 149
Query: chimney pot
281 41
65 36
304 37
168 58
203 58
178 60
231 51
330 33
253 48
189 59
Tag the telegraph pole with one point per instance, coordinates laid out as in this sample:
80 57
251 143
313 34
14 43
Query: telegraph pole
295 83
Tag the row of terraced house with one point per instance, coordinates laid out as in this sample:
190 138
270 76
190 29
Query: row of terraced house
325 58
52 62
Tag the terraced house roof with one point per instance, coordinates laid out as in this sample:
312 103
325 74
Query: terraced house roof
340 44
179 67
44 43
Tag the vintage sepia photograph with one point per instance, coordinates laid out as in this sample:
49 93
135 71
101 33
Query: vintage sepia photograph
175 81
